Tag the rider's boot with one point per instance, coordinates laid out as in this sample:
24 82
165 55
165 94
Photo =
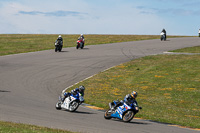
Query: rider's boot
111 106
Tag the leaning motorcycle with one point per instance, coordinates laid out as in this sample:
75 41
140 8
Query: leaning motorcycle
58 46
80 43
71 103
162 36
123 112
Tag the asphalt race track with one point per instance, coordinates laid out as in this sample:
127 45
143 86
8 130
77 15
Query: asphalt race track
30 84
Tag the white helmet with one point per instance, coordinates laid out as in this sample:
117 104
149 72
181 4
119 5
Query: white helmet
59 36
81 34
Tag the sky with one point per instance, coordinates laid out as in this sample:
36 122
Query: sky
137 17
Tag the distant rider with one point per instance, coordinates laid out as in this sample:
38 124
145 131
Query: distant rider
75 92
199 32
60 39
164 31
128 99
81 37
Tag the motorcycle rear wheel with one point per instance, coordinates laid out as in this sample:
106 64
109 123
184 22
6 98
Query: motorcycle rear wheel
128 116
107 114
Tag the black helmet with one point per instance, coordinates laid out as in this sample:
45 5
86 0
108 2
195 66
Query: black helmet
81 88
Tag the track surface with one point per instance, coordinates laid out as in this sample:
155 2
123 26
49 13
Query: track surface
30 84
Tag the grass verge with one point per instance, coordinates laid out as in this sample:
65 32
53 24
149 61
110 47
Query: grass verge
168 87
22 43
8 127
188 50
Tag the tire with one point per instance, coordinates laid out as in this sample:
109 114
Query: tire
56 49
128 116
58 105
77 46
82 46
73 106
107 114
60 48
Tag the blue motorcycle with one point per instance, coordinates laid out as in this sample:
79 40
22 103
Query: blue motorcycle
124 111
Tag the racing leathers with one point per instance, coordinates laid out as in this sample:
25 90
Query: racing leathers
165 33
60 40
128 99
76 92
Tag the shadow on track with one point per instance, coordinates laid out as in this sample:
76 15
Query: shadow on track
78 112
4 91
81 112
132 122
63 51
85 49
140 123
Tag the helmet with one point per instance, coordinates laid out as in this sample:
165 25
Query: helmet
81 88
81 34
59 36
134 94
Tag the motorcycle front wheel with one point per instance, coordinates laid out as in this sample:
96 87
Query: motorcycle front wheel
77 46
128 116
73 106
107 114
58 105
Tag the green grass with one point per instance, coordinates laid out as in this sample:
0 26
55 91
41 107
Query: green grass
168 87
22 43
8 127
188 50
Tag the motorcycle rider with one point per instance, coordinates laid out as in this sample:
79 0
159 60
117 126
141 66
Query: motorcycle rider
81 37
199 32
128 99
75 92
60 39
165 33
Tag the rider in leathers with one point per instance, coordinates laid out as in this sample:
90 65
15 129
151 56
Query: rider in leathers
128 99
60 39
75 92
81 37
164 31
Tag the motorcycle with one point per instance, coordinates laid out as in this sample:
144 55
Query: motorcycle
58 46
162 36
71 103
123 112
80 43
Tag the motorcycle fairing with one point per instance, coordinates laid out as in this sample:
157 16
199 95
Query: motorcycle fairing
67 101
116 115
120 111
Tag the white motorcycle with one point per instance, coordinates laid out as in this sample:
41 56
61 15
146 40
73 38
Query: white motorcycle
71 103
162 36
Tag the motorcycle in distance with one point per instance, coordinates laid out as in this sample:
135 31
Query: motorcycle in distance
123 112
58 46
162 36
71 103
80 43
